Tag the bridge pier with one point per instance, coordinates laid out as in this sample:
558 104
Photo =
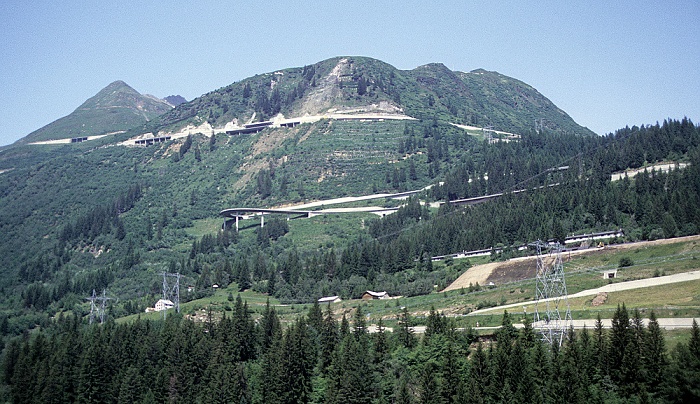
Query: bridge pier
236 223
262 220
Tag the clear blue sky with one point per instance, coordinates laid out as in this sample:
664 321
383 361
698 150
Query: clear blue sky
607 64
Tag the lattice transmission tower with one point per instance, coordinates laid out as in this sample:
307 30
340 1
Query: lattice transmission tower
488 133
98 306
552 313
171 291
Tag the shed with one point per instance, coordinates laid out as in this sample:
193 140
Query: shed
369 295
330 299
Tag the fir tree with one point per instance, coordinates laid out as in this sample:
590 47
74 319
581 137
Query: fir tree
329 338
655 360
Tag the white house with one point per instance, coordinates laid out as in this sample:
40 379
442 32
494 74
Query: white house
164 304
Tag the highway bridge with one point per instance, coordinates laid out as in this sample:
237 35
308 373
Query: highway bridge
235 214
304 211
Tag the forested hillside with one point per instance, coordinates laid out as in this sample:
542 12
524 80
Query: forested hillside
111 217
320 360
101 216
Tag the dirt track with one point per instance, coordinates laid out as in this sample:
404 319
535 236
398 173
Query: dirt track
524 268
613 287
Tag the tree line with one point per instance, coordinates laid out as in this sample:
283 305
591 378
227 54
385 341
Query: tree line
254 358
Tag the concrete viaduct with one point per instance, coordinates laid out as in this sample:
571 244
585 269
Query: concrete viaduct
303 211
236 214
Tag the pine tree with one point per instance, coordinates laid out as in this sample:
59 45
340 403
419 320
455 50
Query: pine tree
359 324
298 359
121 232
435 325
243 333
93 378
352 371
450 372
405 331
270 325
344 328
694 344
600 347
329 338
619 340
633 370
271 378
243 278
655 360
315 317
186 146
361 86
129 391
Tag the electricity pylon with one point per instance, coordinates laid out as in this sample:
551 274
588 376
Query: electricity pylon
552 313
97 310
171 292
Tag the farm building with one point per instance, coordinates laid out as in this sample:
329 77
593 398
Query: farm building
330 299
369 295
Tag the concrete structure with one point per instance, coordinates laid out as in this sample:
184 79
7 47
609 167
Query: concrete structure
610 274
236 214
250 128
281 122
581 238
605 235
152 140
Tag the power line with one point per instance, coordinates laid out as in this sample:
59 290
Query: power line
171 292
97 310
551 297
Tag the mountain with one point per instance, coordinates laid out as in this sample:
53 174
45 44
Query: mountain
107 226
362 84
78 217
175 100
116 107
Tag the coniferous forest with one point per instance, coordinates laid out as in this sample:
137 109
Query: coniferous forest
318 359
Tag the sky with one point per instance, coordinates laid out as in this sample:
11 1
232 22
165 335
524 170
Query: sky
607 64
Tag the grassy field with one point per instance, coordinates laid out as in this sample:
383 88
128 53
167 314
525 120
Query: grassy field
223 300
583 272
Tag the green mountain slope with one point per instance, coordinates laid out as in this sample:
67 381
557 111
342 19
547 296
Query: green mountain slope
114 108
77 217
511 102
361 84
